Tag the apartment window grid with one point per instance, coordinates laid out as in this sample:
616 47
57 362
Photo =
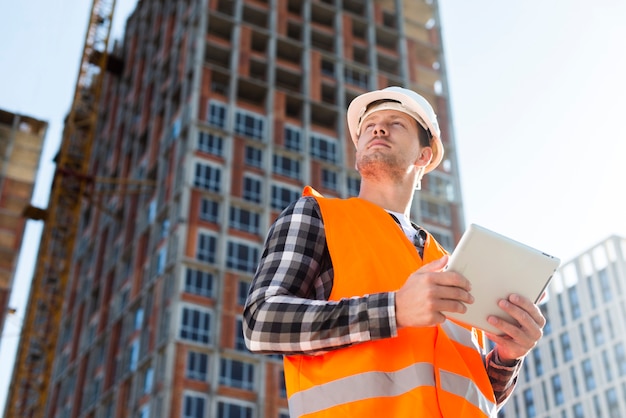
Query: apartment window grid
242 257
207 177
250 125
293 138
329 179
200 283
206 248
283 197
217 114
254 157
574 302
354 185
211 143
197 367
605 285
436 212
245 220
440 184
243 288
240 343
324 148
209 210
620 358
286 166
529 403
234 410
566 347
557 390
590 381
194 405
608 371
591 291
195 325
252 189
236 373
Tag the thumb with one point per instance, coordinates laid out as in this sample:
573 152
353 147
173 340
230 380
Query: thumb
435 265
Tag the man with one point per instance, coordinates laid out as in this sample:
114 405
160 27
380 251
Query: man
355 295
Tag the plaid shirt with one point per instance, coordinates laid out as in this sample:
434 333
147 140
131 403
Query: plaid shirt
288 311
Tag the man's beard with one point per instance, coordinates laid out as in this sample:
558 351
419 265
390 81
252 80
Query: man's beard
379 166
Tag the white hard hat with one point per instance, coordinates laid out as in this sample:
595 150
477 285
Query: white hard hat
411 103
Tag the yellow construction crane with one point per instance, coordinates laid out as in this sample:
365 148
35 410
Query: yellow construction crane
28 394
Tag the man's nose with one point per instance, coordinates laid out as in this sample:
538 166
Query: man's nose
379 129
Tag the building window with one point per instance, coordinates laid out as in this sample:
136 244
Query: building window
207 177
207 247
356 77
240 343
237 374
574 302
613 403
209 210
245 220
620 358
282 391
193 406
252 189
199 283
605 285
596 329
583 337
217 114
559 299
555 361
354 186
574 381
197 366
283 197
233 410
444 238
324 149
250 125
254 157
293 138
566 347
590 381
436 212
285 166
329 179
440 185
529 403
578 411
210 143
557 390
243 288
195 325
597 407
608 366
538 363
242 257
547 329
592 293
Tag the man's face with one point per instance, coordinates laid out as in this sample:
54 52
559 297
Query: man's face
388 143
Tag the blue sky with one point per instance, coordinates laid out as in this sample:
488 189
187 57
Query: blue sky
538 97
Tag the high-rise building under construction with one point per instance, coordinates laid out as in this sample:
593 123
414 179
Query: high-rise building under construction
222 110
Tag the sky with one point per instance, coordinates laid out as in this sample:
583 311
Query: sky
538 105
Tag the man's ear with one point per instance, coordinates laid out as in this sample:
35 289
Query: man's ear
425 156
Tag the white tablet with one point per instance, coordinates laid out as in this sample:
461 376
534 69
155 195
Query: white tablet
498 266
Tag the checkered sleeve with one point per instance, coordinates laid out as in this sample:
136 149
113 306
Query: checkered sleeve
502 378
287 310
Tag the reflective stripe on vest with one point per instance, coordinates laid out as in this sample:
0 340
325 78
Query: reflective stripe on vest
380 384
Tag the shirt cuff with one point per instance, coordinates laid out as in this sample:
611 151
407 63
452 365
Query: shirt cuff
382 315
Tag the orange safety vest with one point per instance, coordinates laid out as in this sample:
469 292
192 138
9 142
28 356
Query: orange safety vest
423 372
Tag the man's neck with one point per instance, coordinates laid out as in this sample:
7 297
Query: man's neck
393 197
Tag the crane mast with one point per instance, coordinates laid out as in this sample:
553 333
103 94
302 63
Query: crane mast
29 391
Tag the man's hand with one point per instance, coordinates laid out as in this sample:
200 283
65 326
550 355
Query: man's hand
428 292
517 339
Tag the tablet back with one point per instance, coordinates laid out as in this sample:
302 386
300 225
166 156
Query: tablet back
498 266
